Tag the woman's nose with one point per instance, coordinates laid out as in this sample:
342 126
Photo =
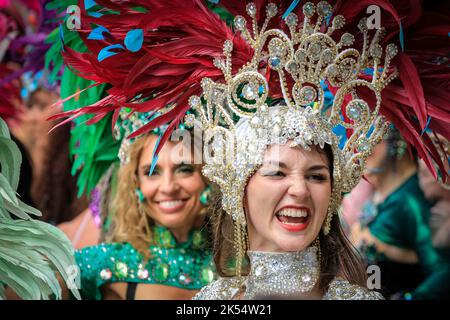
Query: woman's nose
299 188
168 184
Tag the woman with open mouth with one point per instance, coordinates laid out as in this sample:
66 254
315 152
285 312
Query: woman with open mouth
293 245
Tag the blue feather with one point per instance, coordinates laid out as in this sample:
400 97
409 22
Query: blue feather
106 53
61 36
402 40
154 156
340 131
89 4
97 33
426 126
291 8
134 39
95 14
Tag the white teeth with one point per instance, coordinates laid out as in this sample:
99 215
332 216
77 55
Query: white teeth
290 223
293 213
170 204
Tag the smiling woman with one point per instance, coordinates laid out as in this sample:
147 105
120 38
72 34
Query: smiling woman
170 195
157 247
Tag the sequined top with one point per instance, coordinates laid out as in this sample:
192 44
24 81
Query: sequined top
339 289
282 275
187 265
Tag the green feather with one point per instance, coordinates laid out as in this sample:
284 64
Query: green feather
92 147
31 251
10 156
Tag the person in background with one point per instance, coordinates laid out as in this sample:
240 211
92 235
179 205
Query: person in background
438 193
53 187
353 202
393 231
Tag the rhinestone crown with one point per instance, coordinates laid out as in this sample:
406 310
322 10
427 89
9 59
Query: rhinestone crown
235 115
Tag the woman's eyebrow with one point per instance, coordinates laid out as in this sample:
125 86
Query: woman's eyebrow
318 167
283 165
146 167
276 164
183 162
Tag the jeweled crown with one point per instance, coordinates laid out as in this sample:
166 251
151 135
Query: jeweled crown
238 111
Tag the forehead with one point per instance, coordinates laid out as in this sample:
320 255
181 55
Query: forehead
295 156
170 154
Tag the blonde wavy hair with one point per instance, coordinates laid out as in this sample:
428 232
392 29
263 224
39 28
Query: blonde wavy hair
130 221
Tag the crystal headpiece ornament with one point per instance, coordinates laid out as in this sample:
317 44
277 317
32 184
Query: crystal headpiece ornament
128 123
236 114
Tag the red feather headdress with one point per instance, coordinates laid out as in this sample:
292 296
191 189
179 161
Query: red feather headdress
180 39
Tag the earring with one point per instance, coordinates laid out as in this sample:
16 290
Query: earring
327 223
198 239
333 209
240 241
142 211
139 195
205 195
319 252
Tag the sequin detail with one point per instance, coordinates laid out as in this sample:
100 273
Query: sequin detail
180 265
281 274
294 280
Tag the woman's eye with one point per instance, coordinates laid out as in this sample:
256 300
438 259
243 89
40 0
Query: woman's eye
186 169
273 173
319 177
154 173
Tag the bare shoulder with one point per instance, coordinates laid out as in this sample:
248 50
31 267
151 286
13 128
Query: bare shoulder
341 289
146 291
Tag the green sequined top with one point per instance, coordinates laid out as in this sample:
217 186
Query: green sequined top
187 265
402 220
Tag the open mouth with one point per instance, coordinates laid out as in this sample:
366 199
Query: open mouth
293 219
171 206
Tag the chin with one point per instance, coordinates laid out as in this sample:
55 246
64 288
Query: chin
290 245
295 241
172 220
